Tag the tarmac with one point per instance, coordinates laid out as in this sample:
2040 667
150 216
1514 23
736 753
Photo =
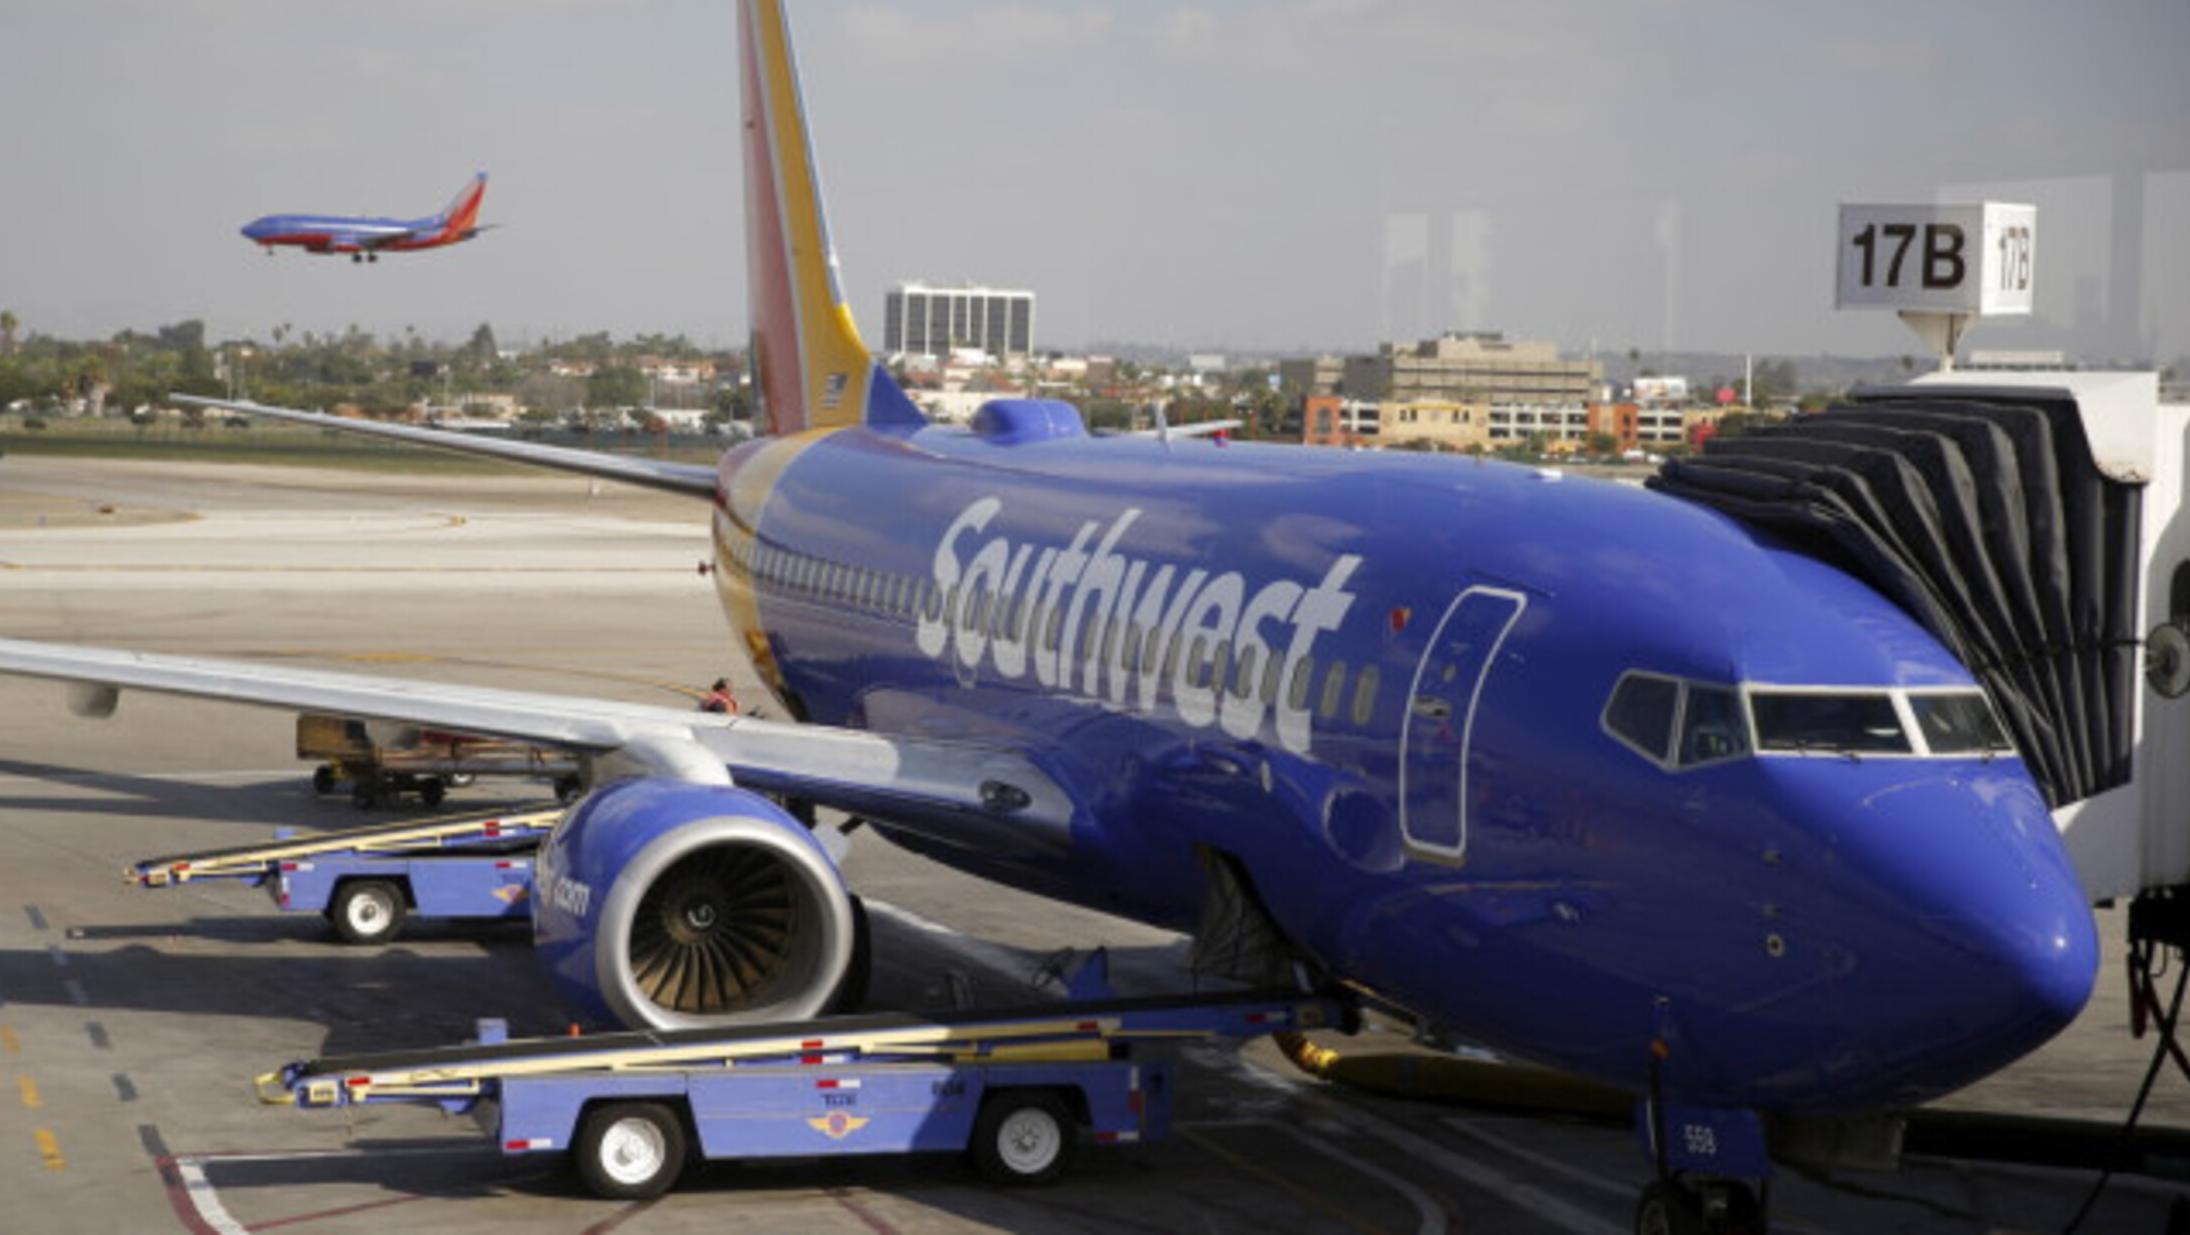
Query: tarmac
132 1020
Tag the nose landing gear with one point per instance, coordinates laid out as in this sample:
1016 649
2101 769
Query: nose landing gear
1705 1160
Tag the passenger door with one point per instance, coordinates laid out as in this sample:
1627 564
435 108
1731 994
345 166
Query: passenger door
1440 720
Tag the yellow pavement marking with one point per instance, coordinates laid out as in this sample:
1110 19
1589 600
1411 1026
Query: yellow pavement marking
8 1041
29 1087
50 1150
1315 1199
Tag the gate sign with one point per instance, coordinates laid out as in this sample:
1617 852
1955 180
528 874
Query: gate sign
1940 259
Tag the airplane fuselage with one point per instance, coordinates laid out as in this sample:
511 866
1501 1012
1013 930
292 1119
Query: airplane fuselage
1380 683
319 233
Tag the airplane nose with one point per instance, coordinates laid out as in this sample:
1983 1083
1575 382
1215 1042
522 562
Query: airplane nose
1998 950
1943 921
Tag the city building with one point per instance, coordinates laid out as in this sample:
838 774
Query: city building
1514 423
1619 421
1659 425
1469 368
1445 425
1327 420
1314 375
923 320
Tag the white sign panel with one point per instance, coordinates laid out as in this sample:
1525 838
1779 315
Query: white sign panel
1942 259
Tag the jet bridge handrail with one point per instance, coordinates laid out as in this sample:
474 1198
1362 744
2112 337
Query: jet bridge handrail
381 838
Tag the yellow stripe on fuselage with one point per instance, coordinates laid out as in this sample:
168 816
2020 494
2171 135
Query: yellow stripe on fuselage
737 527
836 365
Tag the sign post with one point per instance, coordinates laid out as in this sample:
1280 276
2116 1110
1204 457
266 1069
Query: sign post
1939 267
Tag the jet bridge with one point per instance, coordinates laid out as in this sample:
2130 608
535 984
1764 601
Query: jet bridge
2034 523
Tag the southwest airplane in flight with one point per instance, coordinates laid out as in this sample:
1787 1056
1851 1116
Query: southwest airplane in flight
365 239
1565 768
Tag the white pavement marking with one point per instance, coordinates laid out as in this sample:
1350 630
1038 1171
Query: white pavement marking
1431 1213
205 1199
1469 1128
1496 1183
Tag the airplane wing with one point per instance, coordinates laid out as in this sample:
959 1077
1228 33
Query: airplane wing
956 793
690 479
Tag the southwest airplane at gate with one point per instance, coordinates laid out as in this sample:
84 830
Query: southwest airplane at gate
1585 773
365 239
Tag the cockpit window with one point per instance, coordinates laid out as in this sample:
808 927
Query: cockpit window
1841 722
1641 713
1961 723
1712 726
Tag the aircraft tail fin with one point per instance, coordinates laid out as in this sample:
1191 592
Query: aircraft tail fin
811 369
462 216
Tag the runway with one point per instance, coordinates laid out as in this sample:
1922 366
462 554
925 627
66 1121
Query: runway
132 1021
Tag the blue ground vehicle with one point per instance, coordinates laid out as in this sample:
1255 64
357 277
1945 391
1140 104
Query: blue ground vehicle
366 881
1010 1088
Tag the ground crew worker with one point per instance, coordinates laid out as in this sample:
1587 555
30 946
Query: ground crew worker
719 699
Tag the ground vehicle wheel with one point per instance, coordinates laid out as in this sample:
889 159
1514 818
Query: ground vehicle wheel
431 791
1668 1209
323 780
568 788
1024 1137
365 794
630 1151
368 911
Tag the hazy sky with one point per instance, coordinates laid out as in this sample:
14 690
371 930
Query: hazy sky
1242 174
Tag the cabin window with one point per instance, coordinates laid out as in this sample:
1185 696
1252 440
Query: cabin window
1113 635
1961 723
1838 722
1171 651
977 610
1304 672
1273 670
1641 714
1220 661
1365 695
1053 626
1334 685
1243 673
1711 726
1196 657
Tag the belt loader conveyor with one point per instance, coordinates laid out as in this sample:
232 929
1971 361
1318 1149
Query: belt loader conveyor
367 880
1011 1087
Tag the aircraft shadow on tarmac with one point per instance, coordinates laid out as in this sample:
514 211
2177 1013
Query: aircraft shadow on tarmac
402 997
274 801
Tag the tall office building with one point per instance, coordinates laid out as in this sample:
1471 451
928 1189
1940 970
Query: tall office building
1472 368
931 321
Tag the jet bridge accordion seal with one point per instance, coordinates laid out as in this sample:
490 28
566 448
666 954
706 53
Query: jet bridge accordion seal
1983 513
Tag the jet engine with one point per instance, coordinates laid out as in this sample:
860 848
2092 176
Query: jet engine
666 905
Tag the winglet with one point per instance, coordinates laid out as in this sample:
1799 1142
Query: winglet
811 368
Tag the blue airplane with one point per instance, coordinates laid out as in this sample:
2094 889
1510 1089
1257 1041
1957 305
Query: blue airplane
1588 774
365 239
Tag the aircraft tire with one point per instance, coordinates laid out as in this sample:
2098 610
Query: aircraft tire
432 791
323 780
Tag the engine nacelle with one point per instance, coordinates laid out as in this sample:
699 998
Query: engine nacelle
666 905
